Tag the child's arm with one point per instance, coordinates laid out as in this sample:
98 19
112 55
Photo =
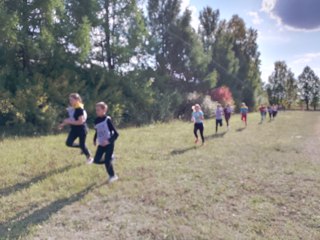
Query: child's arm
112 129
95 138
202 116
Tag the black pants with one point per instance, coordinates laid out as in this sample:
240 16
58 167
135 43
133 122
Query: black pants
218 123
82 135
275 114
107 151
198 126
227 118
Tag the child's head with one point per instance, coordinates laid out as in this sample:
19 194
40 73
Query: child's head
74 99
219 106
243 104
101 109
196 108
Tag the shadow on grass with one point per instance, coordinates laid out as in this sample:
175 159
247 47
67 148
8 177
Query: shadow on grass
15 229
216 135
182 151
241 129
19 186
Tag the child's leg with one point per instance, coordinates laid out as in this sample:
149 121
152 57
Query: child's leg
82 138
217 123
195 129
98 156
108 160
71 138
201 128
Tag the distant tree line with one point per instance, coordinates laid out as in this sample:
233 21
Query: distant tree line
143 60
287 90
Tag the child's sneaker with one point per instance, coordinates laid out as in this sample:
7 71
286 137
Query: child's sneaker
90 160
113 179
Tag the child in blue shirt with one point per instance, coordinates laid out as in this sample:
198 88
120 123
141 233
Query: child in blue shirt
197 118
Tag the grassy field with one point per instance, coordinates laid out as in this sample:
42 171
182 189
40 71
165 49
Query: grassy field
261 182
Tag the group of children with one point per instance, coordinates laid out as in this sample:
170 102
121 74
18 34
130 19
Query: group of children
271 110
106 134
104 138
226 112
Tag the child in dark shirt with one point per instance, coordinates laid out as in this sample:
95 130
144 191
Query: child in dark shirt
77 121
105 138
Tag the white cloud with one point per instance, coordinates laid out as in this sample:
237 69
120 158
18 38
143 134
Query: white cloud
195 13
308 59
256 19
268 5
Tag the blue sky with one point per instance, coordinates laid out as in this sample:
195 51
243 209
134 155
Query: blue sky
289 30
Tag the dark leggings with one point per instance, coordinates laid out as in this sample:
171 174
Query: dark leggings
108 152
218 123
270 115
227 118
82 135
198 126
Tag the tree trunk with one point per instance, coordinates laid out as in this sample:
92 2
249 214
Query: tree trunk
108 35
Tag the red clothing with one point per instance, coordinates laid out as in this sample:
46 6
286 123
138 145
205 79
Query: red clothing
244 117
262 109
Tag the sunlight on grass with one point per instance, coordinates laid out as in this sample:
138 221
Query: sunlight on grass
258 183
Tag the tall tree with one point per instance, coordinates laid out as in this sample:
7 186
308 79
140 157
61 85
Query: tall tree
277 83
308 86
209 23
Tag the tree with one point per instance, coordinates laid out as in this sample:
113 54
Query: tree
277 82
209 22
309 87
291 90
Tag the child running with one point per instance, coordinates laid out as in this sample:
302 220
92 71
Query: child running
105 138
197 118
244 113
227 115
77 120
270 111
274 111
219 116
263 112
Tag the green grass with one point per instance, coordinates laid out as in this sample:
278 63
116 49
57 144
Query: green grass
261 182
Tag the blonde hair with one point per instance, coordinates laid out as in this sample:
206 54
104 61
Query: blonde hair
102 105
76 96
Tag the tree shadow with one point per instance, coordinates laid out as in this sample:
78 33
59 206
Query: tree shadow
15 229
19 186
241 129
182 151
216 135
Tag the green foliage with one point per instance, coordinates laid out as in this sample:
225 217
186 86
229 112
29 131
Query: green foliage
144 65
309 87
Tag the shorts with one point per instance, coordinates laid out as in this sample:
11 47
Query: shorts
244 117
219 122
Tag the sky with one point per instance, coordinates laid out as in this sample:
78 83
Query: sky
289 30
